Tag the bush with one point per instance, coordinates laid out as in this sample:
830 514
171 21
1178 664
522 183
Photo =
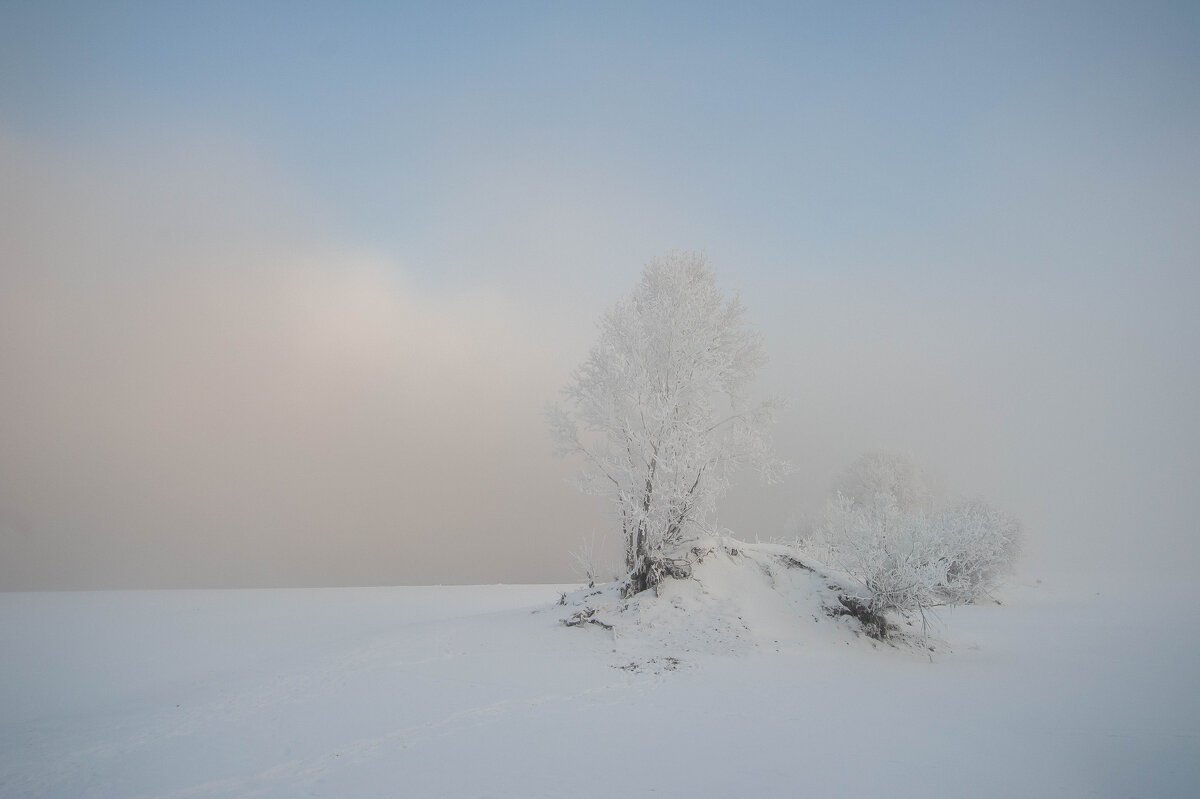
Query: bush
982 543
903 553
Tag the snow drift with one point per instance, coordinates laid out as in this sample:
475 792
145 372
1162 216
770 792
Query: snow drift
741 596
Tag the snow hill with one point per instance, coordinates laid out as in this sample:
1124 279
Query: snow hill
735 683
741 597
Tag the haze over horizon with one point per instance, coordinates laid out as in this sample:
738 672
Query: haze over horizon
283 292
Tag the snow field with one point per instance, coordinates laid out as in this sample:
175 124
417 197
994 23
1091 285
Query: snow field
481 691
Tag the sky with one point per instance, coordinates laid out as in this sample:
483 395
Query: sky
285 288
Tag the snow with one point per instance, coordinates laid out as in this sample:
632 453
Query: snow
1063 691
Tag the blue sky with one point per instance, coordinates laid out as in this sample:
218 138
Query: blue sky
774 130
966 231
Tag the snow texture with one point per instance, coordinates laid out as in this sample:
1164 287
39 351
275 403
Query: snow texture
734 683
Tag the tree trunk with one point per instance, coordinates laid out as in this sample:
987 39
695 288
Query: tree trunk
640 569
652 568
641 578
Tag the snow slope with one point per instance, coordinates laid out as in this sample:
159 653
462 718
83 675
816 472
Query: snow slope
481 691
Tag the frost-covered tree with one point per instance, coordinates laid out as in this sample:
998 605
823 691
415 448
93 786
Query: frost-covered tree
883 528
887 473
659 414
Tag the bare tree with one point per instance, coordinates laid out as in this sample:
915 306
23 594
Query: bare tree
658 412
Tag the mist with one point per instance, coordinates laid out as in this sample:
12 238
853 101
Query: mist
295 322
191 404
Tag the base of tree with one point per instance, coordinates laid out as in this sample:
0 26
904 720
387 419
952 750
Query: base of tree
874 623
651 571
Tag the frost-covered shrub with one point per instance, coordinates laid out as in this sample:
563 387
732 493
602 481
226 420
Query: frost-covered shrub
888 552
881 527
592 561
982 543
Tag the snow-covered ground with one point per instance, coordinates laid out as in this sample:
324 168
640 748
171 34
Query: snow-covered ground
481 691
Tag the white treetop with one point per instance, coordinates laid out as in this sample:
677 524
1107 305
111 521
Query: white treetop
658 411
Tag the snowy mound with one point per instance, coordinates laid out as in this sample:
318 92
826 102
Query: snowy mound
739 597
